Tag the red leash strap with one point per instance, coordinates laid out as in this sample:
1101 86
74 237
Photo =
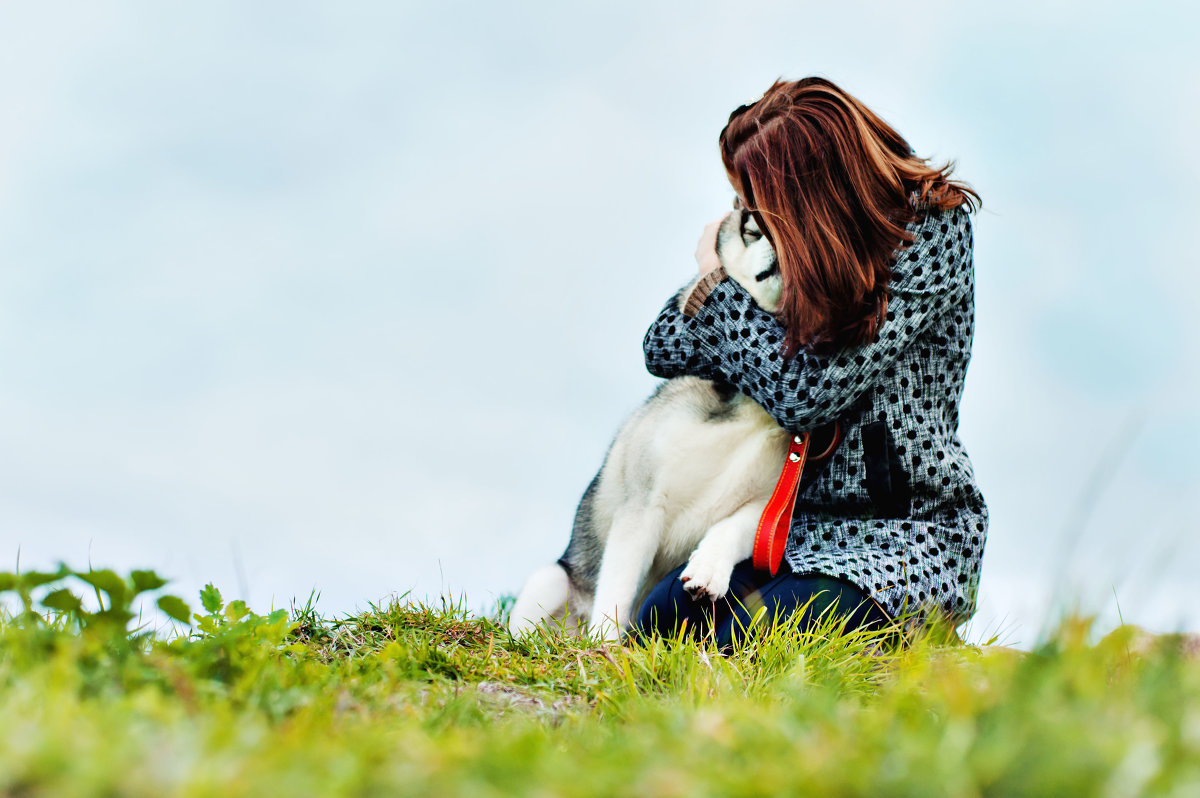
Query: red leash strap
776 521
771 538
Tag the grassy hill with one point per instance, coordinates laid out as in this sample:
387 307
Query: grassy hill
414 700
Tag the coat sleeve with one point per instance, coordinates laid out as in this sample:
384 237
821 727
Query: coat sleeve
731 339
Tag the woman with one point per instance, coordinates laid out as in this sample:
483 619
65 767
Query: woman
874 332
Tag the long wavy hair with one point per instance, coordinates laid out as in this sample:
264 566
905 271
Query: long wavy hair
832 186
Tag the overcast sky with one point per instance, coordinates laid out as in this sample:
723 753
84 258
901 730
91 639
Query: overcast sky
351 297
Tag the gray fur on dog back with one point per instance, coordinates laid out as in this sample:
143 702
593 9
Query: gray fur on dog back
581 560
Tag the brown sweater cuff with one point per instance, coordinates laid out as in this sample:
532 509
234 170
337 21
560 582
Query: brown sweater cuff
702 289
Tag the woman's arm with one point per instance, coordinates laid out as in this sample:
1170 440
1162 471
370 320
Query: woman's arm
731 339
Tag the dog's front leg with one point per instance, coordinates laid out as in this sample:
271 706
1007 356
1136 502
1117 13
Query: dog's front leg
727 542
629 551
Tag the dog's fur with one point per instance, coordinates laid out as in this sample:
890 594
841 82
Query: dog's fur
686 478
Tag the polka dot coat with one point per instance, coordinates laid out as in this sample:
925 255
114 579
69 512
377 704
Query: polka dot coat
896 510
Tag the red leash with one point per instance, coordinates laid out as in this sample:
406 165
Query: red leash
776 521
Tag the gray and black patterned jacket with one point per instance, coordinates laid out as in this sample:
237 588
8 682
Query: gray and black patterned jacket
897 510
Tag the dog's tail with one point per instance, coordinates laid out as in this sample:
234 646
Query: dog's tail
544 596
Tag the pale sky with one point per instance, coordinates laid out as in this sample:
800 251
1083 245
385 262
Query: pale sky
351 298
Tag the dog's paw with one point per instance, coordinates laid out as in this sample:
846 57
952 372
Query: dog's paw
706 576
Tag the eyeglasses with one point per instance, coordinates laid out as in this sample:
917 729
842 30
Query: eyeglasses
741 109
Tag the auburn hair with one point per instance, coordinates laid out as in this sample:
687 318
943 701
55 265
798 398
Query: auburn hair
829 183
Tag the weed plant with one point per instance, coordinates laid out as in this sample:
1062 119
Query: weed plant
411 699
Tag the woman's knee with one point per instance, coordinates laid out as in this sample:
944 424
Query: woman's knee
669 606
818 597
664 607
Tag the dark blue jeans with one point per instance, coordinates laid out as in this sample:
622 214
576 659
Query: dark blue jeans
668 604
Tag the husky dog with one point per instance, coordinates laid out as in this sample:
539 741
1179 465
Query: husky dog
686 478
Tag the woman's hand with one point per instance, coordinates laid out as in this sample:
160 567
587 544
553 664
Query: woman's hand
706 247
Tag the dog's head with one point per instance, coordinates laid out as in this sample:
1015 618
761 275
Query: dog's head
749 258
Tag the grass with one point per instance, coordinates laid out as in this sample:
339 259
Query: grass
407 699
